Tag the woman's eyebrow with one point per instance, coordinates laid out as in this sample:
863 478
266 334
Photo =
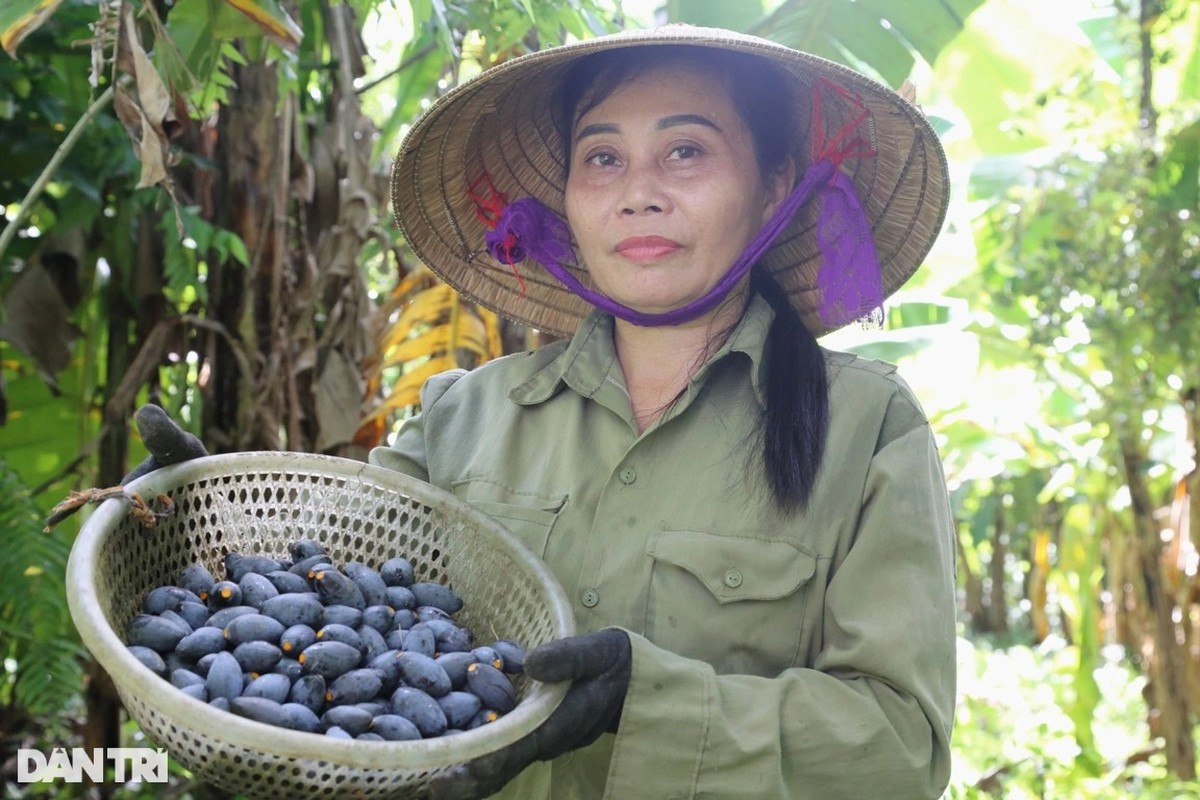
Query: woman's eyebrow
596 128
664 123
687 119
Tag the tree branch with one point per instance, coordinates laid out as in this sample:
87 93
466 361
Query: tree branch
60 155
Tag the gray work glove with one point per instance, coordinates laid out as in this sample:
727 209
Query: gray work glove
167 442
598 664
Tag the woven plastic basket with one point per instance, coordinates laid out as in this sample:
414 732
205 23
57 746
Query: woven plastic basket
258 503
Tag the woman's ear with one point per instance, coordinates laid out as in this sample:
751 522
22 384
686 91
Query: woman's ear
779 186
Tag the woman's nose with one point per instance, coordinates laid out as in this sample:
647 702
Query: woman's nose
642 193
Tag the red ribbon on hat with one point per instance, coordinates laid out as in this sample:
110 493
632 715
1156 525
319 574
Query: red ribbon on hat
839 146
489 207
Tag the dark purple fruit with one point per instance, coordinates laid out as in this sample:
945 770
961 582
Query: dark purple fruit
309 691
492 686
455 665
420 709
400 597
294 639
196 690
355 686
304 565
432 614
289 667
286 582
272 686
223 617
451 638
224 594
254 628
152 631
422 672
185 677
174 617
256 589
372 641
394 728
149 658
351 719
196 614
237 565
379 617
257 656
460 708
486 654
200 643
404 619
340 633
336 588
329 659
167 598
197 579
397 572
420 639
483 718
337 614
295 609
370 584
282 715
512 654
438 596
301 549
224 677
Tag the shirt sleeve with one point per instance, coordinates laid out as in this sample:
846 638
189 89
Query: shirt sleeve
874 713
409 454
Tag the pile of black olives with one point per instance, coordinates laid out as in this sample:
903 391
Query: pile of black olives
351 652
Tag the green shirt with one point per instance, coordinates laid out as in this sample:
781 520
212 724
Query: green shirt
806 655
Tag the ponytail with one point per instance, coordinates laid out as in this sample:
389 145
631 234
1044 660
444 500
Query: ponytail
795 421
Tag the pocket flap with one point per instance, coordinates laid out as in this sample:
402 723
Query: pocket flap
736 568
498 500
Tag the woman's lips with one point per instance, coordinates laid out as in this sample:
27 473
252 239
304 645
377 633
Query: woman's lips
646 248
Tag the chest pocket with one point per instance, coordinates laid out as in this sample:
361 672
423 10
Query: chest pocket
736 602
529 515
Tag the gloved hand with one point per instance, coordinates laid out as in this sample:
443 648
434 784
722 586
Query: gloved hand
598 664
167 442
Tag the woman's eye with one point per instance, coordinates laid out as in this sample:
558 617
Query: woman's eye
684 151
602 160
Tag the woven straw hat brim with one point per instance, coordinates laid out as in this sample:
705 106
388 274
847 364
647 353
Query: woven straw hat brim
501 123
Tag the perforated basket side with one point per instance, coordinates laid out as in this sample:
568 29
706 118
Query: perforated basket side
258 503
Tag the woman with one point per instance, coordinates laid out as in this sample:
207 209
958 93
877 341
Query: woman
754 531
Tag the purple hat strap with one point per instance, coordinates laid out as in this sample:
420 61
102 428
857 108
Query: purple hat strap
849 278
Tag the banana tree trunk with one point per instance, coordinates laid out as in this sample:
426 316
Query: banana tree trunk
1168 675
245 411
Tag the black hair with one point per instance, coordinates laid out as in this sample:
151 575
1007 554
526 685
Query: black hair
795 419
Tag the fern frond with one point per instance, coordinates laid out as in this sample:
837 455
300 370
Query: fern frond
38 633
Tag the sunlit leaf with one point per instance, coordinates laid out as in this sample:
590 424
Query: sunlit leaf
19 18
274 21
877 36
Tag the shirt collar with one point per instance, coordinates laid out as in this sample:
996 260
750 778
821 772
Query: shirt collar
590 357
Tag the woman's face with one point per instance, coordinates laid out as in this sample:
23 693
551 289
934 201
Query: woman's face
664 192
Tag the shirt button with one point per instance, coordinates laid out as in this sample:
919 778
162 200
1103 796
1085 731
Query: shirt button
627 475
733 578
591 597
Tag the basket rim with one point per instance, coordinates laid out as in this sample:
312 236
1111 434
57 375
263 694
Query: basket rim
129 674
